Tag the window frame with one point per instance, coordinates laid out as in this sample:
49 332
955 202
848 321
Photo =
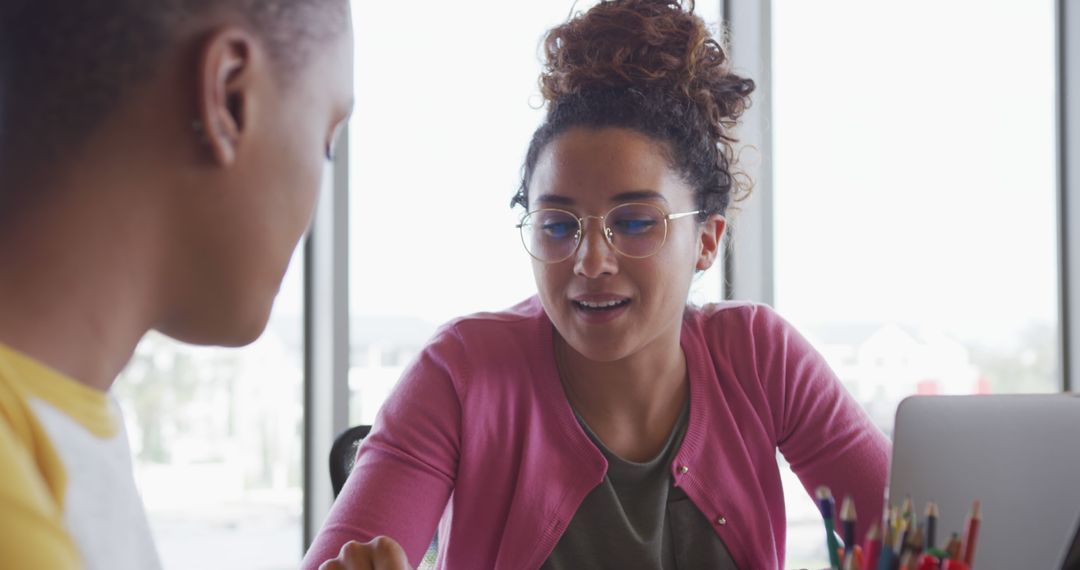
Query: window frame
751 258
749 254
1068 178
326 338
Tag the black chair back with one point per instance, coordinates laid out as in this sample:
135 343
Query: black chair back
343 455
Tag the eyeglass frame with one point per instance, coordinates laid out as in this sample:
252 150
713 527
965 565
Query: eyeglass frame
580 234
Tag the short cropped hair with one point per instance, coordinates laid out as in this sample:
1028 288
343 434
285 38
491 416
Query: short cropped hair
64 66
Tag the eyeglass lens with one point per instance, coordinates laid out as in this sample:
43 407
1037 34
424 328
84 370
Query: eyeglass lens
634 230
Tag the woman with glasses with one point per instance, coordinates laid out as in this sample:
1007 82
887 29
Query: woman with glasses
605 423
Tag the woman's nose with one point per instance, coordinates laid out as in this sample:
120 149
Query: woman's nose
595 256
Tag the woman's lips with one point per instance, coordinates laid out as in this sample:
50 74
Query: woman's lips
599 310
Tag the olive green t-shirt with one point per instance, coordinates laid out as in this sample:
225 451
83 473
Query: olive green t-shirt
636 518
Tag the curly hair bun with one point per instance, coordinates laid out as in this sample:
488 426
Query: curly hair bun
648 45
651 66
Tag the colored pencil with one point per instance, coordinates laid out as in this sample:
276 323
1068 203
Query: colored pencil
871 549
906 560
915 541
971 534
906 513
886 555
847 521
828 513
932 515
953 547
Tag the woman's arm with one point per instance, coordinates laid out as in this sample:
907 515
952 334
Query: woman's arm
822 431
406 468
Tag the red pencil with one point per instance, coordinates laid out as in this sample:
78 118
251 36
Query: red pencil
871 549
971 534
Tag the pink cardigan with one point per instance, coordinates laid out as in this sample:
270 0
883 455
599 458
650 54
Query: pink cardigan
478 438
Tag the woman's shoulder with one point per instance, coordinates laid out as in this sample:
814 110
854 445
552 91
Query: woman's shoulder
479 352
750 333
520 318
742 329
486 335
728 315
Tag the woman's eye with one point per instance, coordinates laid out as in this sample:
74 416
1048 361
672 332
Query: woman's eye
633 226
558 230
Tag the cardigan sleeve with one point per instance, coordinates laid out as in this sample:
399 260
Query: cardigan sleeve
824 434
406 467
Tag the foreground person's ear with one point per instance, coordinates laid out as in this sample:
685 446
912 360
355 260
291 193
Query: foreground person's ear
229 63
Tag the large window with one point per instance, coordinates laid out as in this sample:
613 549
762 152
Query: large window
914 200
216 441
437 140
913 153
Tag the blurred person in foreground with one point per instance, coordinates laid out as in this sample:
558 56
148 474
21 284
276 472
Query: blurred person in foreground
159 162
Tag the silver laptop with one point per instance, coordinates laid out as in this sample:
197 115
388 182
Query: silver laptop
1019 455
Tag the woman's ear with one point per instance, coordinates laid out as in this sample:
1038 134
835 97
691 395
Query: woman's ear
712 232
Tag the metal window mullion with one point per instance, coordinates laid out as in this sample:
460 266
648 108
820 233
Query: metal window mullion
1068 168
326 338
749 270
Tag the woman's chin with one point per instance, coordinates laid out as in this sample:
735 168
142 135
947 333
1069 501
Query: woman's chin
599 348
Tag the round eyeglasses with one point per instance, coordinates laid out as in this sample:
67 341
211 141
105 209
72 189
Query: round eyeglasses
634 230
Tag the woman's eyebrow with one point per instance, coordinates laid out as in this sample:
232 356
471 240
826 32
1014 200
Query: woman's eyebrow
632 196
555 199
638 195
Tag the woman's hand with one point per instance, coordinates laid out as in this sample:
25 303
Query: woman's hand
382 553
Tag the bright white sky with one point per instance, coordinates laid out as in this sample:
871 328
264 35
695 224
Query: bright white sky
913 150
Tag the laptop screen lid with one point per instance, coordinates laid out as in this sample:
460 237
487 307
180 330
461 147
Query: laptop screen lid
1017 454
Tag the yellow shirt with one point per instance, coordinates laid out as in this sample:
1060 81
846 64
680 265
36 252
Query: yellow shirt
67 493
